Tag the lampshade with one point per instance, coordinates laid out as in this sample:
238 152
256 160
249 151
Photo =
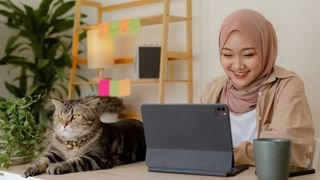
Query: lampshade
100 50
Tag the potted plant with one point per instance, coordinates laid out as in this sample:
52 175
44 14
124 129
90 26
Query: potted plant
39 49
20 134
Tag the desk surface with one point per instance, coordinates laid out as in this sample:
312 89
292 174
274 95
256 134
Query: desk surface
136 171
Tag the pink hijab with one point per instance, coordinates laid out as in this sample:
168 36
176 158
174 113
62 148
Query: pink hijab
259 31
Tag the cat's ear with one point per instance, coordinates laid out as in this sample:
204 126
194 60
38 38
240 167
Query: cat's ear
92 102
57 103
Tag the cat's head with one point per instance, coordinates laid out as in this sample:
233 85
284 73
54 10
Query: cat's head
75 118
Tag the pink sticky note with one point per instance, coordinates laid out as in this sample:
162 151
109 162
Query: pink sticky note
103 89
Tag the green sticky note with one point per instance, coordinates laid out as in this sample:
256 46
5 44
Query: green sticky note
114 88
134 26
114 28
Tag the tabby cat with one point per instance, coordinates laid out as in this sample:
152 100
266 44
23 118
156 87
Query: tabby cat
81 142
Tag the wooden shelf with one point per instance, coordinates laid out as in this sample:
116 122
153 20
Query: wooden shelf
134 81
145 21
172 56
163 20
158 19
128 60
175 55
128 5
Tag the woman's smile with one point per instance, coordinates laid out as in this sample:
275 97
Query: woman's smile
241 75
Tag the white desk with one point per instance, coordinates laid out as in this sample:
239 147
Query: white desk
136 171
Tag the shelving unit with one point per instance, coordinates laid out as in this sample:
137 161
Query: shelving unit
166 56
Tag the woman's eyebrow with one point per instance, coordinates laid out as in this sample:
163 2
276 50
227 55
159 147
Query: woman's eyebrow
243 49
225 48
248 48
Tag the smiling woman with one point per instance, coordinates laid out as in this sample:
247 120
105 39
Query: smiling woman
265 100
240 61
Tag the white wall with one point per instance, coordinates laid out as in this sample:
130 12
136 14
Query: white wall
297 23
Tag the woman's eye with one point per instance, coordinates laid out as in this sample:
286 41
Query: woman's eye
227 55
249 54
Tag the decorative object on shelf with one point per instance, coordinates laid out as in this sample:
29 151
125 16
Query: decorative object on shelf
148 62
100 50
114 88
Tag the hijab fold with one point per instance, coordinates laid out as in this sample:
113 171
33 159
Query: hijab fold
259 31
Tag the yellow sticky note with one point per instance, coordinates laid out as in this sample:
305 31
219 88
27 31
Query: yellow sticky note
124 29
124 87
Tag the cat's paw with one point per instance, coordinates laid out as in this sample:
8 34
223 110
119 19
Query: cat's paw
30 170
56 169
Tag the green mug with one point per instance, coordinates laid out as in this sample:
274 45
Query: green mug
272 158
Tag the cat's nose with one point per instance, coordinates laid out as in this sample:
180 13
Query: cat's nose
65 124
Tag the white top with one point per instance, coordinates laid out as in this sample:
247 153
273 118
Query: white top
243 127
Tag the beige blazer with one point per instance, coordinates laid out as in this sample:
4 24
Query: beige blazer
282 111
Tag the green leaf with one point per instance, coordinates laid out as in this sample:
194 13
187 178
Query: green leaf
61 10
60 72
62 86
5 13
42 63
83 35
78 91
26 123
14 7
12 60
53 50
63 25
32 89
13 89
13 48
10 43
44 7
29 19
36 45
23 81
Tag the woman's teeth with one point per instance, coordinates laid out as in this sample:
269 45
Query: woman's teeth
239 73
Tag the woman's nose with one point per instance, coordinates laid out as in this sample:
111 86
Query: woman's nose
238 63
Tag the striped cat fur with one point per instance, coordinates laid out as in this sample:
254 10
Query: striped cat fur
81 142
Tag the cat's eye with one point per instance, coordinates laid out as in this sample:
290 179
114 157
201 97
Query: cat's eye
60 117
76 116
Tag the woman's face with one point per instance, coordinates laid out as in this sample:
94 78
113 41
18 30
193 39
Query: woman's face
240 60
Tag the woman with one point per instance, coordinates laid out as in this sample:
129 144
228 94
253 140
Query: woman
265 100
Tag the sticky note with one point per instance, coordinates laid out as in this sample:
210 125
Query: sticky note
103 30
124 87
134 26
114 88
103 89
124 29
114 28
